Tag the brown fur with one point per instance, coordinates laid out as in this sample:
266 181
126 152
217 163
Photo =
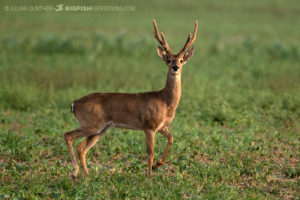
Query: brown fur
149 111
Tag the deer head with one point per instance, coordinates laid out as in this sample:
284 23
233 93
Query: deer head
175 61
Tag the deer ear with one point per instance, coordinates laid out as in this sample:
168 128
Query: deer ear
188 54
162 53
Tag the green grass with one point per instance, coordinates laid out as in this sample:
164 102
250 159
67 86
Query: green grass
236 131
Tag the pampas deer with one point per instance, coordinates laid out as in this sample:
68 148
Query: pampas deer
150 112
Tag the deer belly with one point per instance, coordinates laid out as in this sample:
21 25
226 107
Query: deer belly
124 125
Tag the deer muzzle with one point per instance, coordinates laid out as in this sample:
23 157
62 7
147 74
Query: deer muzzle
175 68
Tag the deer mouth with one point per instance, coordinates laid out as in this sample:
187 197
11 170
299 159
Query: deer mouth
177 73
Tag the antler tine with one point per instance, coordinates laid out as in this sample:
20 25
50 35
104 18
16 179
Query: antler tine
162 42
156 32
190 40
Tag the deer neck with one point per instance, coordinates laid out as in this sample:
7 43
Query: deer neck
172 91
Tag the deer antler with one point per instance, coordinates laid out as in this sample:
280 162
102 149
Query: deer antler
162 41
190 40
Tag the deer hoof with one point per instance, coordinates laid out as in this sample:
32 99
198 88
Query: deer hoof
72 176
157 164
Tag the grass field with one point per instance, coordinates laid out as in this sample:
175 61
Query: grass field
236 131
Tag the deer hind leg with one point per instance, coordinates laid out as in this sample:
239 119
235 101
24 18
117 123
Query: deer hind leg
85 146
69 138
150 134
165 132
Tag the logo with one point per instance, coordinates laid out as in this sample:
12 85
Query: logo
59 7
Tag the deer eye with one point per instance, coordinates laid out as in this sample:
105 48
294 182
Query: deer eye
169 61
181 61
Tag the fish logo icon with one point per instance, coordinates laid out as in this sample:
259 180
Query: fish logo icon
59 7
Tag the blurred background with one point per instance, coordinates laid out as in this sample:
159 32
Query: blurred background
237 125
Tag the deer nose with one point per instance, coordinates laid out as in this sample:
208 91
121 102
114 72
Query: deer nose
175 68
